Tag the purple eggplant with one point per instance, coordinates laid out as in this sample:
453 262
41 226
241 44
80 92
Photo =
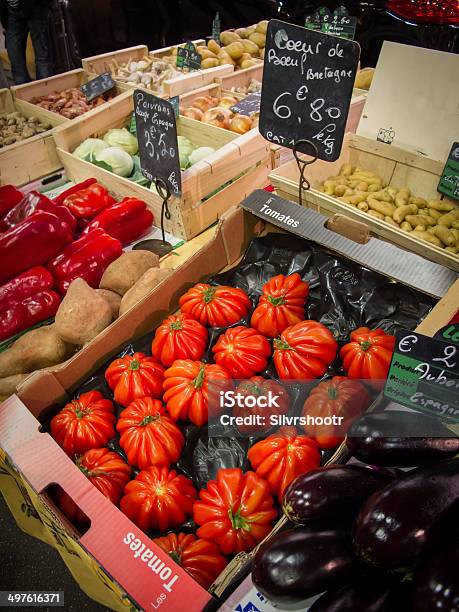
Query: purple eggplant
358 596
332 493
436 582
400 438
295 565
395 525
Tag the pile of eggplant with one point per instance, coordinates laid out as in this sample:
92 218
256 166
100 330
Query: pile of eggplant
371 537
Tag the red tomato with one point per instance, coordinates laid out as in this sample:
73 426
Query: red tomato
199 558
180 337
280 305
259 387
134 376
242 351
187 390
215 306
148 435
85 423
368 354
235 510
338 397
304 351
107 472
280 458
158 499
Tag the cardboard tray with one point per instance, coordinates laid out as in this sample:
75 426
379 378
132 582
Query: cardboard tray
29 159
244 160
23 94
35 460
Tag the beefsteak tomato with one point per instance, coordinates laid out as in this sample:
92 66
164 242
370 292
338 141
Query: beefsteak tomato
368 354
281 304
338 397
280 458
201 559
158 499
215 305
148 435
180 337
242 351
107 472
134 376
304 351
187 392
258 387
85 423
235 510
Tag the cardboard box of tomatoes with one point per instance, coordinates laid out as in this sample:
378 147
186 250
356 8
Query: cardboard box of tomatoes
141 498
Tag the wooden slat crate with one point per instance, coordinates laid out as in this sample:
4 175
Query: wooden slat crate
98 64
242 161
28 159
395 166
241 78
24 94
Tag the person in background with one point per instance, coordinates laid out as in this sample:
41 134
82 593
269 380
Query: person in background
19 18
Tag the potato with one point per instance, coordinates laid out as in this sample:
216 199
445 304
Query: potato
455 225
258 39
435 214
113 299
143 287
38 348
346 170
401 212
388 219
340 189
420 202
448 219
251 47
356 199
420 220
456 235
421 228
210 62
235 50
83 314
329 187
440 205
374 187
382 196
445 235
226 38
375 213
206 53
224 58
451 249
249 63
384 208
213 46
401 199
406 226
262 26
9 384
363 206
392 192
427 237
242 32
125 271
362 186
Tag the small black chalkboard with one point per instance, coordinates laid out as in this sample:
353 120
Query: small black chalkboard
216 27
98 86
424 374
308 79
248 106
339 24
449 182
157 136
188 57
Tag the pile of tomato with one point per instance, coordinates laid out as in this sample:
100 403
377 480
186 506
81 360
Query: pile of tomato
160 393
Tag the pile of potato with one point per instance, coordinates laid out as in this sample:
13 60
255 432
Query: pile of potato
15 127
242 48
435 221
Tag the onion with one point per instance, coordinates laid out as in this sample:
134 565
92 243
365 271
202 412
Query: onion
193 113
203 103
241 124
220 117
227 101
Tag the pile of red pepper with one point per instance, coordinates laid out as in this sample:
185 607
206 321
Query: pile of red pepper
46 244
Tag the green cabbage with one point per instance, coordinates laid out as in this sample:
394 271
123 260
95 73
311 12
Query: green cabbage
120 162
122 139
201 153
90 147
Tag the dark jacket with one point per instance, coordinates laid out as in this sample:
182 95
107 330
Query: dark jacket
26 6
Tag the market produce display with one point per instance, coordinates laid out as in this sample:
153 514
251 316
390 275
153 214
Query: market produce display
148 72
434 221
253 87
15 127
133 377
70 103
217 111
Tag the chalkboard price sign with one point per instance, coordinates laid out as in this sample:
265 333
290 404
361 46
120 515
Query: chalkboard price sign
248 106
424 375
449 182
98 86
339 24
308 79
188 57
157 136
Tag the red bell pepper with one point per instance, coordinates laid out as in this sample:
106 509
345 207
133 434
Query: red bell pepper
59 199
9 197
23 286
86 203
85 258
29 311
35 201
127 220
31 243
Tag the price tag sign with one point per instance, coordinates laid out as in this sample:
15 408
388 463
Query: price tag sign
175 101
339 24
188 57
157 136
98 86
424 374
216 27
248 106
449 182
308 78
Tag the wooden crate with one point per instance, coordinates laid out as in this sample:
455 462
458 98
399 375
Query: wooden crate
243 160
24 94
396 167
98 64
241 78
29 159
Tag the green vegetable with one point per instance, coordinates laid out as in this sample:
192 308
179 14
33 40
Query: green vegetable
185 150
121 162
90 147
201 153
121 138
